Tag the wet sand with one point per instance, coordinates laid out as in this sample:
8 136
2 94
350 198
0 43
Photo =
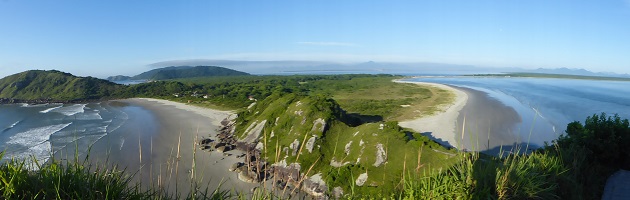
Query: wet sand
156 132
489 124
473 122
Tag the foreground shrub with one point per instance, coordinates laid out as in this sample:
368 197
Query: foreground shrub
517 176
65 181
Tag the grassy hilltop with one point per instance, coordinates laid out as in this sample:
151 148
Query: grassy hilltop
55 86
336 125
341 144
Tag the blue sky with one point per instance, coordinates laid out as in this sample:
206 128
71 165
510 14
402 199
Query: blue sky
102 38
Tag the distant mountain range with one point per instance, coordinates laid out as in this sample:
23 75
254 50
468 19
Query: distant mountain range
174 72
580 72
317 67
418 68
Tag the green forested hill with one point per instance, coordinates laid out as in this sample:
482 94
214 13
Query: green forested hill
55 86
182 72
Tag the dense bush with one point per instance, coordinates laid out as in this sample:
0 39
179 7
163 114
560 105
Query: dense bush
592 152
605 138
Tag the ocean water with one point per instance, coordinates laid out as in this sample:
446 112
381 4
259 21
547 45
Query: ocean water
547 105
131 82
42 130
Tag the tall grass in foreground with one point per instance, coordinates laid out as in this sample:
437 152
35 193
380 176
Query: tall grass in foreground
78 179
516 176
71 180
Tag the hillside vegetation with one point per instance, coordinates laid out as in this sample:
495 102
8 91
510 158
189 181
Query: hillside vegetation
177 72
55 86
298 121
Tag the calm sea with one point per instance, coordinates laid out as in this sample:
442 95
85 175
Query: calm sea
547 105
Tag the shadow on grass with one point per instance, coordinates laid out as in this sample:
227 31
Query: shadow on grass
438 140
356 119
510 149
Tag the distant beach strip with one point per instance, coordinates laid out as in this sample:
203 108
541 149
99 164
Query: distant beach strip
472 122
441 126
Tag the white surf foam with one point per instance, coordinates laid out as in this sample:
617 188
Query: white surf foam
37 142
40 105
10 126
41 152
49 109
36 136
71 110
14 124
90 116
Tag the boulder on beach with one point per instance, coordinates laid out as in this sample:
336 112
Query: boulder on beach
206 141
219 144
235 166
221 149
245 177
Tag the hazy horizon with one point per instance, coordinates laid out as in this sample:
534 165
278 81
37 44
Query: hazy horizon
119 37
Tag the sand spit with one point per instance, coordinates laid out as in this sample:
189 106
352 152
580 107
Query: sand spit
442 125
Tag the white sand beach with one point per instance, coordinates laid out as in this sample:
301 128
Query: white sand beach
214 115
442 125
174 130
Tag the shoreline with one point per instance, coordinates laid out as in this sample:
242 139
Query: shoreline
491 125
474 121
165 153
441 126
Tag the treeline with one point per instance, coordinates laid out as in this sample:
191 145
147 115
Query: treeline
235 92
38 86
